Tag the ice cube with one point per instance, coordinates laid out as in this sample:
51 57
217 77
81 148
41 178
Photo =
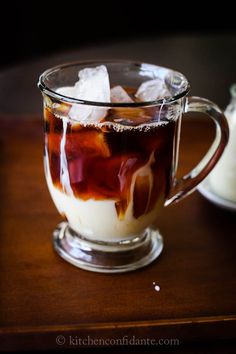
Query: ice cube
68 91
130 116
93 85
118 94
63 108
87 143
152 90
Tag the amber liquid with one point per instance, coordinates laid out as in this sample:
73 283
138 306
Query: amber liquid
105 163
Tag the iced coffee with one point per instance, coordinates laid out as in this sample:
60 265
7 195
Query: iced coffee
109 169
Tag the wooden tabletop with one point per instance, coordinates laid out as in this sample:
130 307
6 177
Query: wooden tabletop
43 297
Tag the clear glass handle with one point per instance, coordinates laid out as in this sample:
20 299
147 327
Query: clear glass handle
185 185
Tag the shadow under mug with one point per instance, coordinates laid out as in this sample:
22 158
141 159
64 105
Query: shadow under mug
109 179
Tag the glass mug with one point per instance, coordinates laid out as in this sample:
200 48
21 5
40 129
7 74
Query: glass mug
109 179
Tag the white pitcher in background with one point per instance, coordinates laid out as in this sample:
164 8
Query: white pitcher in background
223 176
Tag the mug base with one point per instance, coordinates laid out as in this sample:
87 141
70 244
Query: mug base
107 257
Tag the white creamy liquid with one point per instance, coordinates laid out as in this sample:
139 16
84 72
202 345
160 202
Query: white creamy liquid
98 220
223 176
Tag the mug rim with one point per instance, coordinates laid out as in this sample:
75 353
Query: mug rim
52 93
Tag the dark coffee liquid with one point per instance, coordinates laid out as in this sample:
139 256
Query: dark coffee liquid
104 162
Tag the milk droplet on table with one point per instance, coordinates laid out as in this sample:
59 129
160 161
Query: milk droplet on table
93 85
152 90
156 287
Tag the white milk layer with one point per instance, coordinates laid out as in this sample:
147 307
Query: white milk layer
98 220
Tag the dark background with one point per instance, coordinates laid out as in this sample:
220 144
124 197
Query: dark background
35 29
